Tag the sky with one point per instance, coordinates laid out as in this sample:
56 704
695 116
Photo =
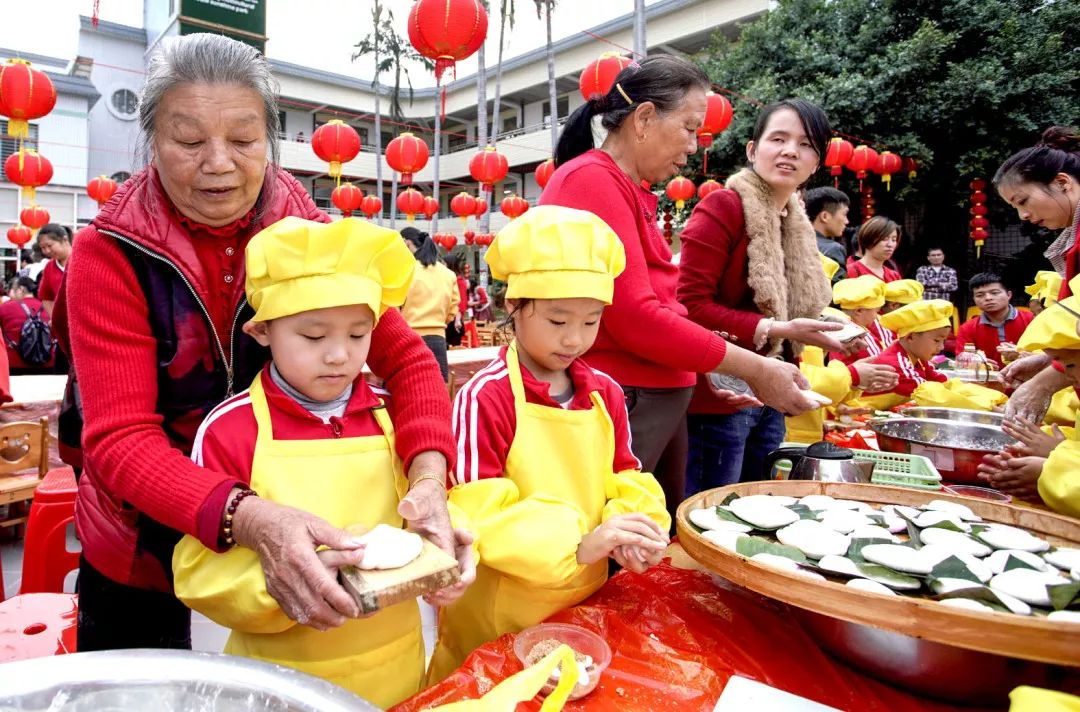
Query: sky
313 33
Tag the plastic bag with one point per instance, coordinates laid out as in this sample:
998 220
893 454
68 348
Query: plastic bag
524 686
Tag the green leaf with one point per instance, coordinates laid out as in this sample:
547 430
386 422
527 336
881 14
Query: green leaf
854 551
1063 595
953 567
751 545
1015 562
729 499
912 531
803 511
889 577
985 594
730 516
946 524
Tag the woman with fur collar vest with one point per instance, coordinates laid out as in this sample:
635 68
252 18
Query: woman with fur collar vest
750 271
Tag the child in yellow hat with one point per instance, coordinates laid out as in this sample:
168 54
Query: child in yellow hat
545 473
861 300
900 292
1044 291
311 434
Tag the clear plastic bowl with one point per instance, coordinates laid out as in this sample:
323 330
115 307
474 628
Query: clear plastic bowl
581 640
980 492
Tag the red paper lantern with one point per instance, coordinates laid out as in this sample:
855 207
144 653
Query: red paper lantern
863 159
410 201
488 167
718 115
708 187
430 207
978 209
449 240
886 164
912 168
978 222
25 93
19 235
470 237
680 190
480 206
347 198
28 169
370 205
447 31
336 143
599 75
512 206
101 189
407 154
485 239
977 184
463 205
544 171
34 217
837 156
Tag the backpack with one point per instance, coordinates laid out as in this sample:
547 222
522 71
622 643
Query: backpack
36 344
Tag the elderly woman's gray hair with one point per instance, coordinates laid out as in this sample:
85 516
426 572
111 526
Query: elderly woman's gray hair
207 59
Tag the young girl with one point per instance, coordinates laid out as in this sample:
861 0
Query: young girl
861 299
544 471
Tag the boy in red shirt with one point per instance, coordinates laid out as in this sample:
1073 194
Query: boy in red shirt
996 331
921 329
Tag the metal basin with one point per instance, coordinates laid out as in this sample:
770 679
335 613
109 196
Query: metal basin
957 414
955 448
124 680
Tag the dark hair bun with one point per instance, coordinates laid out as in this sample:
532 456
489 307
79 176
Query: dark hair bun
600 103
1062 138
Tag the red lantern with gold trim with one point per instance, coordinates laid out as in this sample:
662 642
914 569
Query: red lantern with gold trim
680 190
862 161
370 206
19 235
912 167
101 189
513 206
430 207
837 155
25 94
886 164
410 201
544 171
707 187
599 75
346 198
407 154
28 169
480 206
463 205
978 223
336 143
488 167
447 31
718 115
35 217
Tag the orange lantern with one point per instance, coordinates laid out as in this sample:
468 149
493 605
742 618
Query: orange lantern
407 154
34 217
837 156
544 171
513 206
862 161
370 206
886 164
346 198
488 167
707 187
718 115
430 207
447 31
410 201
19 235
599 75
28 169
336 143
25 93
463 205
978 223
101 189
680 190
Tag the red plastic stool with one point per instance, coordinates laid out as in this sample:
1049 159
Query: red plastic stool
46 559
38 625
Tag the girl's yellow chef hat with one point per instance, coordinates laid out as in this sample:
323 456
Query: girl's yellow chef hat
1053 328
298 265
865 292
918 317
904 291
552 252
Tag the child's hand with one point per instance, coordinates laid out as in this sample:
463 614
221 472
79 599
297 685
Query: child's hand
1018 476
1036 442
463 552
635 558
1008 351
634 529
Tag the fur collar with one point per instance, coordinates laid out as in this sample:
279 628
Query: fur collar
784 269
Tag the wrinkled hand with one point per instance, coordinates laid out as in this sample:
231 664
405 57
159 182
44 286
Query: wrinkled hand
780 385
1017 476
1030 401
1036 442
1024 369
285 540
815 333
634 529
463 553
875 377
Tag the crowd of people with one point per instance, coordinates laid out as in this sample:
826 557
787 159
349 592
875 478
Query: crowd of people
226 438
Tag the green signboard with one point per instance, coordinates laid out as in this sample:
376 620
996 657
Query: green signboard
244 20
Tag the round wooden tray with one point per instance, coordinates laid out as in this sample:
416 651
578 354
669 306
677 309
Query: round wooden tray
999 633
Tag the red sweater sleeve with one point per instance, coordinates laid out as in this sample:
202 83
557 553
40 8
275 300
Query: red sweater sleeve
484 425
115 355
713 228
637 319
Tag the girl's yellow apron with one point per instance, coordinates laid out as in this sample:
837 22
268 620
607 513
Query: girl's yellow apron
560 455
345 481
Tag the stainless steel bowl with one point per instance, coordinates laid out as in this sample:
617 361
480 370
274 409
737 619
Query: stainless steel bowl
958 414
955 448
123 680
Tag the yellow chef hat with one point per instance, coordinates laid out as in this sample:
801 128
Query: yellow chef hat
1054 328
829 265
1047 286
919 316
552 252
297 265
904 291
866 292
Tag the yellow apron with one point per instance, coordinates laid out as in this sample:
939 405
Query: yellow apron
832 381
345 481
564 456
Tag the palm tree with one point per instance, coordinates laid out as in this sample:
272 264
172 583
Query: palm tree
553 95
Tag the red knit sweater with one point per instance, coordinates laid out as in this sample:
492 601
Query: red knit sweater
645 338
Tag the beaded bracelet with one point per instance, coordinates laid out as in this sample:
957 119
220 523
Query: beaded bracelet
226 528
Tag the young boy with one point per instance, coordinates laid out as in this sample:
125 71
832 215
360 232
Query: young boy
861 299
310 433
996 331
827 209
901 292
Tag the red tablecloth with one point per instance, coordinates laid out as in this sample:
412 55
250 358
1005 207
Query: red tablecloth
677 637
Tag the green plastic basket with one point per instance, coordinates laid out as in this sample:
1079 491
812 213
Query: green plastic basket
890 468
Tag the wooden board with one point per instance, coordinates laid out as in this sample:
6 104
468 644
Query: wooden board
377 589
1000 633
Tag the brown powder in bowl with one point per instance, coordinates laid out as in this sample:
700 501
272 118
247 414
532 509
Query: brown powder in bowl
544 648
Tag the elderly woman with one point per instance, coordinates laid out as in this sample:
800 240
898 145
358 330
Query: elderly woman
154 301
646 343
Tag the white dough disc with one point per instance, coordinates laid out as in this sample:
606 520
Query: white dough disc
871 586
388 547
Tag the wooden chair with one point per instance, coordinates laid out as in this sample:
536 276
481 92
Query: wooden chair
23 446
